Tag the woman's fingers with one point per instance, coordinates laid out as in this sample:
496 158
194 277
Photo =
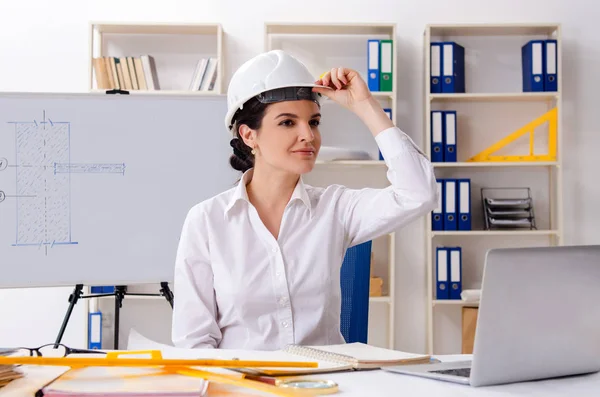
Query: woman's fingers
326 79
341 75
334 79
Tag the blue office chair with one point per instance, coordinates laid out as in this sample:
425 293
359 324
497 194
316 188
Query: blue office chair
355 281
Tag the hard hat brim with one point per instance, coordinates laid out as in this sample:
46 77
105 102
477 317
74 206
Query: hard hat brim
233 109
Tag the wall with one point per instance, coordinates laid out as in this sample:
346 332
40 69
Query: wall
44 47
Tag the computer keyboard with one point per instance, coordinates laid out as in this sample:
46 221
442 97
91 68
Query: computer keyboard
463 372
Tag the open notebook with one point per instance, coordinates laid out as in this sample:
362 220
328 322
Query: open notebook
343 357
330 358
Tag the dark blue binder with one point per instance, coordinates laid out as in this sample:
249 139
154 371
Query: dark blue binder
453 67
449 199
464 203
449 129
441 273
437 215
533 62
435 67
551 53
437 136
387 111
373 66
455 272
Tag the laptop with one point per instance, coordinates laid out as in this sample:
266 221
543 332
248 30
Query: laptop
539 318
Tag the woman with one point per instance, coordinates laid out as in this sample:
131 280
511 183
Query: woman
258 266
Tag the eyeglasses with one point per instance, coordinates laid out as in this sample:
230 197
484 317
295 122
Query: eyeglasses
53 350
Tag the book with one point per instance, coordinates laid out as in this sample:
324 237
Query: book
124 381
342 357
8 373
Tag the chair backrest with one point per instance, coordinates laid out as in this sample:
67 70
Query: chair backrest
355 283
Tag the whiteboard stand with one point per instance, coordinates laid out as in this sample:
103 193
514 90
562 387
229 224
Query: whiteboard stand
119 294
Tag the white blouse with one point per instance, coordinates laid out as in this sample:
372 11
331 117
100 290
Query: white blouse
238 287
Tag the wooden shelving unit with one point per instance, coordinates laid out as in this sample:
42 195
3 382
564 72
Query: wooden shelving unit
509 97
313 43
176 49
484 45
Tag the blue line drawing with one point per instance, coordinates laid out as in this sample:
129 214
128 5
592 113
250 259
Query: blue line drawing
43 182
89 168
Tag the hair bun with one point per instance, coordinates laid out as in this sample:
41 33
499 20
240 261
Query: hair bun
240 149
241 159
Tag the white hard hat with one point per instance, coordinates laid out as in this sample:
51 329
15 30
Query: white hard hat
265 72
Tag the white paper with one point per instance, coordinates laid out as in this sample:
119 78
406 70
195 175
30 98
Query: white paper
331 153
471 295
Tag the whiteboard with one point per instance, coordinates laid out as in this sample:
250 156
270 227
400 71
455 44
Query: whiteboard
94 188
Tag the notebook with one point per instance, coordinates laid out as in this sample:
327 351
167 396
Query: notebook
123 381
342 357
8 373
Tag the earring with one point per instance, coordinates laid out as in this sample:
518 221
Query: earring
253 152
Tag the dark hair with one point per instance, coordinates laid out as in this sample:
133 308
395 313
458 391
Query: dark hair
252 115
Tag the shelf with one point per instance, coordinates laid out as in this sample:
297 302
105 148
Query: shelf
352 163
451 302
482 164
329 28
156 28
493 103
509 29
380 299
188 93
175 50
473 233
387 95
383 94
498 97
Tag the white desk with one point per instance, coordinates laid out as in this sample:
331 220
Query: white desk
378 383
381 383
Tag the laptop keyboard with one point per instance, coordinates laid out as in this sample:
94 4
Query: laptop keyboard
463 372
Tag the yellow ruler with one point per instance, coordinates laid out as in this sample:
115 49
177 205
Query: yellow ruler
155 359
551 117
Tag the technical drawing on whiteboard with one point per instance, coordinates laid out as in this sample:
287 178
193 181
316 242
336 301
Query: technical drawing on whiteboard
43 170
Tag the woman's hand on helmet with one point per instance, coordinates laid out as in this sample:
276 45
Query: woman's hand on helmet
347 88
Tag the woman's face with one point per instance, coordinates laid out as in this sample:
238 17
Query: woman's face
289 137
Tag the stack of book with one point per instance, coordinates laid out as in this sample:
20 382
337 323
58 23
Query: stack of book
205 75
139 73
8 373
126 73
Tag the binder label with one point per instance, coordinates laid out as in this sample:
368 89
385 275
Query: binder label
386 57
437 127
537 60
450 129
450 194
373 55
442 268
435 60
455 265
464 198
448 60
551 58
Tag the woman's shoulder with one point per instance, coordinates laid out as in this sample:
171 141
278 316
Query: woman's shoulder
215 204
